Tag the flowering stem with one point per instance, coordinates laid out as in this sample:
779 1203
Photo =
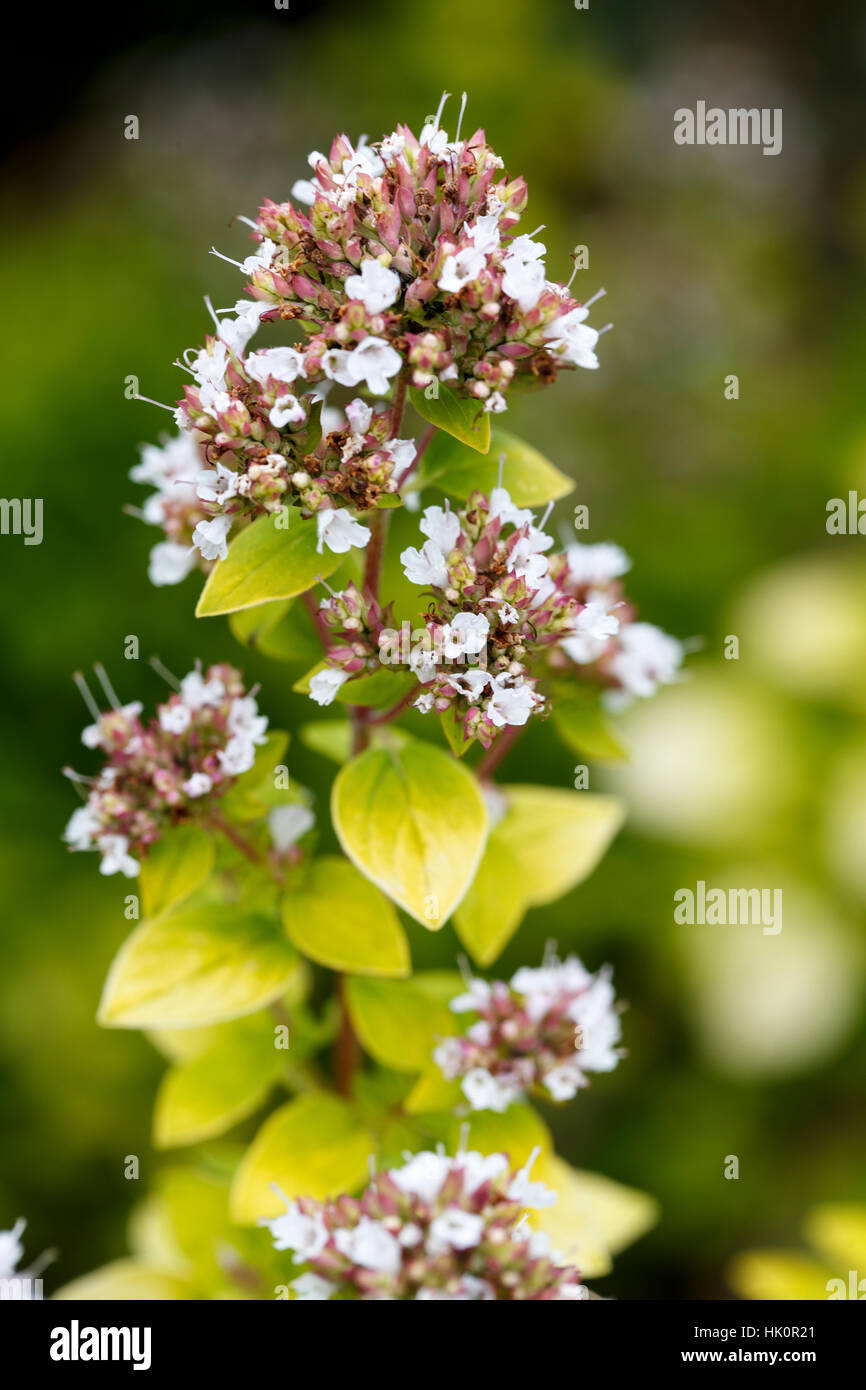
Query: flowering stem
240 843
346 1046
410 467
494 755
392 713
318 619
375 553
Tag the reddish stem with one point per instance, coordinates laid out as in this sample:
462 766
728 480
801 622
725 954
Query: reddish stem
318 618
499 750
395 709
346 1045
410 467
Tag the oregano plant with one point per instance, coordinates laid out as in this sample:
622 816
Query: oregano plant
400 308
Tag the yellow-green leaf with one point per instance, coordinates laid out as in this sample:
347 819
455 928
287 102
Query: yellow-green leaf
264 563
530 478
197 966
556 836
593 1217
176 865
779 1275
314 1146
837 1231
495 905
398 1021
125 1281
337 918
414 821
460 416
210 1093
584 727
332 738
432 1091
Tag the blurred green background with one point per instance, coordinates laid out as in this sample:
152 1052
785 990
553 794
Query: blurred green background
752 772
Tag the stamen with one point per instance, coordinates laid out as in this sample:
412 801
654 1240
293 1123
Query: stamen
501 466
106 685
211 311
598 295
183 366
465 970
326 585
538 229
550 957
547 511
438 118
460 117
606 329
129 510
86 696
249 222
464 1139
165 673
147 400
215 252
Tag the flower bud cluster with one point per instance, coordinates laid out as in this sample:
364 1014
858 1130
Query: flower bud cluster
173 769
538 1034
438 1228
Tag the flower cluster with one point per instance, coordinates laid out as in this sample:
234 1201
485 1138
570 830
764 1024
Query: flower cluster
438 1228
397 260
540 1033
167 771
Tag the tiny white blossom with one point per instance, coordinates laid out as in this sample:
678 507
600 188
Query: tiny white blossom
371 1245
281 363
199 693
325 684
461 269
425 566
238 756
376 286
288 823
510 704
359 415
455 1229
466 635
442 527
486 1092
169 563
175 719
210 537
115 856
596 564
198 784
373 361
81 828
286 410
339 531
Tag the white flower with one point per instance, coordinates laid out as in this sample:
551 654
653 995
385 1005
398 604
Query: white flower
287 824
425 702
359 416
198 784
486 1092
169 563
199 693
647 658
81 828
524 277
484 232
286 410
11 1249
210 537
312 1287
176 460
425 566
236 333
448 1056
455 1229
466 635
593 629
476 996
508 615
373 361
392 145
471 683
443 528
261 258
573 339
216 485
530 1194
339 531
461 269
510 704
502 508
563 1082
376 286
305 191
495 404
423 1175
307 1236
282 363
325 684
596 564
371 1245
423 662
175 719
403 452
238 756
209 366
244 719
115 858
480 1168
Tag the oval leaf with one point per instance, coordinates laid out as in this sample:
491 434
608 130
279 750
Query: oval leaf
495 905
460 416
197 966
556 837
208 1094
528 476
313 1147
265 562
176 865
337 918
398 1022
414 821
